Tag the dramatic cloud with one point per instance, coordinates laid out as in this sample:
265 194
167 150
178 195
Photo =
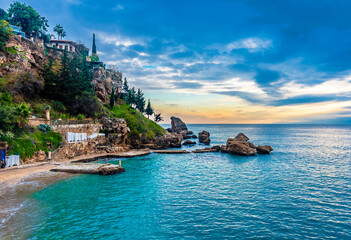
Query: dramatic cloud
255 61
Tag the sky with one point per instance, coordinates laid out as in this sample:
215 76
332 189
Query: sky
222 61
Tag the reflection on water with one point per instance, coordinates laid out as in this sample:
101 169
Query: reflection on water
14 199
300 191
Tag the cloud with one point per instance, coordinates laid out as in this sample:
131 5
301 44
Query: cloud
251 44
118 7
191 85
250 53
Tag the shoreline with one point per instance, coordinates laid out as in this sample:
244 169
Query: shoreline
30 178
10 176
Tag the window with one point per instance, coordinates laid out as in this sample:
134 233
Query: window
70 48
60 46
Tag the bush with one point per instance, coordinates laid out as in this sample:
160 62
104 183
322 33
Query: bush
27 84
80 116
27 145
85 104
5 33
137 123
44 128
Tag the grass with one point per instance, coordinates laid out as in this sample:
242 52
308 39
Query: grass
30 143
138 124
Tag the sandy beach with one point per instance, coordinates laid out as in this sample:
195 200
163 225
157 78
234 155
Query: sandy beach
12 175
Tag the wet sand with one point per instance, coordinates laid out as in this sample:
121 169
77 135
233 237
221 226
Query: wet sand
12 175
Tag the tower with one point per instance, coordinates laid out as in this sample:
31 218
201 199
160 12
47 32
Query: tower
94 46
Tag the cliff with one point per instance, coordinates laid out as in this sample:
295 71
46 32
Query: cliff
23 55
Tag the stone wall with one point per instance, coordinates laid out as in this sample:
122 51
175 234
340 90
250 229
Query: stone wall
37 121
97 145
89 129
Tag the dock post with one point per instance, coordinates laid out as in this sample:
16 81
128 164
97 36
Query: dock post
105 160
49 155
120 163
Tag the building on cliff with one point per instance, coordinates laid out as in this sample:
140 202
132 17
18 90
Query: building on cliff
62 44
17 30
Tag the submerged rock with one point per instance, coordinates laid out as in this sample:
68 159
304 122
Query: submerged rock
204 137
171 151
88 168
266 149
188 142
205 150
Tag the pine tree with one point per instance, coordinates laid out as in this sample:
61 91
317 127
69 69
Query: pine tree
140 101
149 110
112 98
158 117
131 97
125 89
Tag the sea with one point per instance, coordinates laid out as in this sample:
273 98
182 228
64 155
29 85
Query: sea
302 190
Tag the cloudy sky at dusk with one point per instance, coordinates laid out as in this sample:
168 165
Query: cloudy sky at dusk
224 61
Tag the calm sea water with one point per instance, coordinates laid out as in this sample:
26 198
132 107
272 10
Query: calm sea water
300 191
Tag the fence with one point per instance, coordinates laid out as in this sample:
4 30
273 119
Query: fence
72 122
12 160
76 137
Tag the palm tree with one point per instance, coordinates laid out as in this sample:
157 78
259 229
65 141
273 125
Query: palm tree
59 30
63 34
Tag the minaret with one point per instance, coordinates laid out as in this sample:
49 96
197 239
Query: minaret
94 46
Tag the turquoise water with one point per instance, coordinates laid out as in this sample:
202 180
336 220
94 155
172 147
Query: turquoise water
300 191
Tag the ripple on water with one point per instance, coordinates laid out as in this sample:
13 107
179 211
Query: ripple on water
301 191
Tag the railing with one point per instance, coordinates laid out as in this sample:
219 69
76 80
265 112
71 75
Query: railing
72 122
12 160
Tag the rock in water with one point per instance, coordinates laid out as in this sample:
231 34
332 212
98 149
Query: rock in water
266 149
178 125
240 145
204 137
188 142
168 141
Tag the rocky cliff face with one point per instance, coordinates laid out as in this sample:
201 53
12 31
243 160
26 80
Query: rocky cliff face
103 80
21 54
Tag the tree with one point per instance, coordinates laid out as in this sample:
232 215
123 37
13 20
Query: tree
125 85
131 97
2 14
5 33
23 113
149 110
140 101
27 18
63 34
158 117
112 98
58 29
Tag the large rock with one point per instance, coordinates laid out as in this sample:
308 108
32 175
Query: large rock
266 149
168 141
240 145
178 125
204 137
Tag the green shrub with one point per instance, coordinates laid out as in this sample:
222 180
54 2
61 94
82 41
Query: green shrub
138 124
44 128
27 145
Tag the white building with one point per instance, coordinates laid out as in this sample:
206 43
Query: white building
62 44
